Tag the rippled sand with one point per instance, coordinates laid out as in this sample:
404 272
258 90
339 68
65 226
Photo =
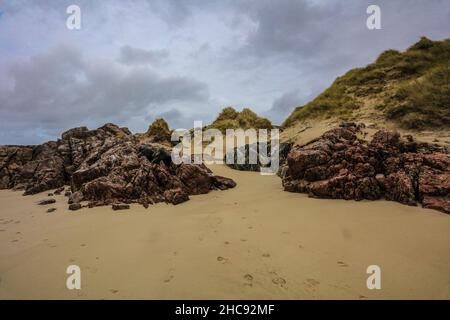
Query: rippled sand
252 242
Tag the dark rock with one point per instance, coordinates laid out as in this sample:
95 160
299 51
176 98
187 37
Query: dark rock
339 165
156 154
50 210
75 206
347 124
75 197
350 124
223 183
437 203
46 202
120 206
243 152
176 196
59 191
104 166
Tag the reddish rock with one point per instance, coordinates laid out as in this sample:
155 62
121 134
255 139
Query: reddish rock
176 196
223 183
339 165
104 166
59 191
437 203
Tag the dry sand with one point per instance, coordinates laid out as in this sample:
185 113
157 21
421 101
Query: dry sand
252 242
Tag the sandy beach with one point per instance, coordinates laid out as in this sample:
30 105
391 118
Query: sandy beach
251 242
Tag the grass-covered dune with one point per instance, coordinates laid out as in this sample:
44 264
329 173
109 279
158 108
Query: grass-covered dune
229 118
410 88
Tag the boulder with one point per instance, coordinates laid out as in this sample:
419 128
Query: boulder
176 196
75 206
341 166
104 166
120 206
46 202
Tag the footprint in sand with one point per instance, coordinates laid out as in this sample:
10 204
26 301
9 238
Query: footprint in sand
249 278
168 279
342 264
311 282
83 245
91 269
222 259
266 255
243 240
113 291
15 240
169 276
310 286
2 230
279 281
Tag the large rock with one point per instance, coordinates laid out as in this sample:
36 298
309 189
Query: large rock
339 165
243 152
104 166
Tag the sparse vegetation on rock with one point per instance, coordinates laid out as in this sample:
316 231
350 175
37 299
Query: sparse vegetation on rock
229 118
158 131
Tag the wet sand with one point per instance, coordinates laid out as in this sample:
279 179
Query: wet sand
251 242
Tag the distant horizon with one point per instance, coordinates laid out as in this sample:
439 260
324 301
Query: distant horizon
185 62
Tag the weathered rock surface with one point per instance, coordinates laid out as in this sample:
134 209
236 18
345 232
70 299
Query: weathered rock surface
46 202
75 206
104 166
243 153
120 206
339 165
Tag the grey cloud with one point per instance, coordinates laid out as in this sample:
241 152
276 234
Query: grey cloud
270 55
136 56
283 105
61 89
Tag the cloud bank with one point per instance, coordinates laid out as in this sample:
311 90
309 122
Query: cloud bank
185 60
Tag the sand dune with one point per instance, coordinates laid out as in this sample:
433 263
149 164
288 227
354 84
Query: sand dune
252 242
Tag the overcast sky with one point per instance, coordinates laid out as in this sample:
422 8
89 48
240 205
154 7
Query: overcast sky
185 60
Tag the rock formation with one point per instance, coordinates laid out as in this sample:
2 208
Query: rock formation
339 165
244 152
104 166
